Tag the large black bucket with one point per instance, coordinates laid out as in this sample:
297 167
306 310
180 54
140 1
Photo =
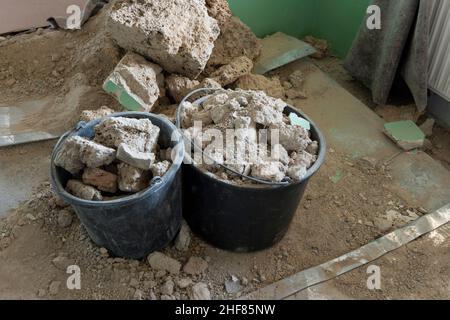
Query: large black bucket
243 218
134 226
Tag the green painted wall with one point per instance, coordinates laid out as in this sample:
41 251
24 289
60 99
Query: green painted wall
338 21
264 17
335 20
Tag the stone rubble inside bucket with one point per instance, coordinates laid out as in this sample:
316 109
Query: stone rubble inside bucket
120 160
263 142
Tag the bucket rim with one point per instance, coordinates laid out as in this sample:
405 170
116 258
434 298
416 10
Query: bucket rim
155 184
309 173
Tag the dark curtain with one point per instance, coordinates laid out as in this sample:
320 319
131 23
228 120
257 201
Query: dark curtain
399 48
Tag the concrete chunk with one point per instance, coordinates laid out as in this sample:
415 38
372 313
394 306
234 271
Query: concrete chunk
269 170
292 137
178 35
103 180
132 179
135 83
160 261
219 10
141 160
229 73
235 40
179 86
95 155
68 156
82 191
159 169
76 152
139 134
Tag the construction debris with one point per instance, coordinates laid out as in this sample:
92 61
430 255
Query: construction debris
78 151
183 238
229 73
271 86
82 191
101 179
219 10
179 36
200 291
178 86
406 134
135 83
322 47
235 40
89 115
129 169
160 261
244 111
195 265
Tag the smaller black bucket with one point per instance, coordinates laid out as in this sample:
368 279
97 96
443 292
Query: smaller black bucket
134 226
243 218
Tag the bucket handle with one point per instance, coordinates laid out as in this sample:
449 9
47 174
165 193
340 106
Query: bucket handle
178 124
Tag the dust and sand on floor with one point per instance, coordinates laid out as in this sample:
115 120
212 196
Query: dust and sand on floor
343 208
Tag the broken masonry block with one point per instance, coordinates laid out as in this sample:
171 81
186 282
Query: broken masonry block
178 35
179 86
82 191
229 73
76 152
406 134
103 180
135 83
268 170
141 160
95 155
159 169
235 40
132 179
139 134
68 156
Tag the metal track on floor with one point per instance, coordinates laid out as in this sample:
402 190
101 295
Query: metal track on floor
354 259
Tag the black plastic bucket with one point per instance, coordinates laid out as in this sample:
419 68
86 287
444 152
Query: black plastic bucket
244 218
134 226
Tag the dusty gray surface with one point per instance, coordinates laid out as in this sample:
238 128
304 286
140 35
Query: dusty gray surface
23 167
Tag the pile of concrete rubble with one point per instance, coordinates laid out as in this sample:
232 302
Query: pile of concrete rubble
285 151
121 159
174 47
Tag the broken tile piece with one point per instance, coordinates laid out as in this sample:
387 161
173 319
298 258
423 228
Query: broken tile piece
406 134
298 121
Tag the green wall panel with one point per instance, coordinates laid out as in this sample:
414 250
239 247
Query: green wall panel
264 17
338 21
335 20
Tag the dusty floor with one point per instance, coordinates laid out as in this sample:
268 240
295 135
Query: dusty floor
344 207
